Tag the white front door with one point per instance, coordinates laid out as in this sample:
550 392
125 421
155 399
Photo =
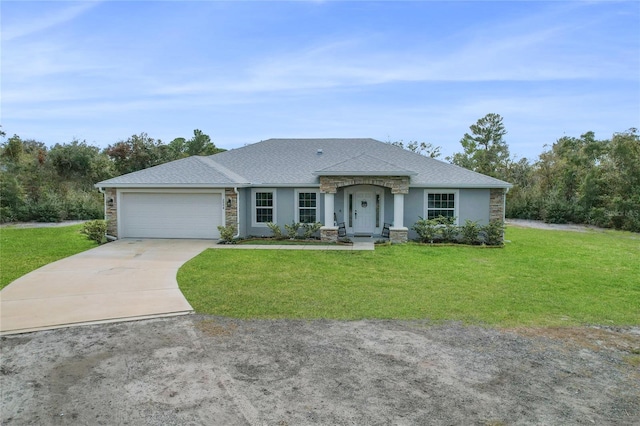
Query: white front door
364 212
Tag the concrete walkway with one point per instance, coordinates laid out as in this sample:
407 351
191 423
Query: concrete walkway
124 280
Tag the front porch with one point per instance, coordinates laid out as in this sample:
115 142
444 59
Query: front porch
361 206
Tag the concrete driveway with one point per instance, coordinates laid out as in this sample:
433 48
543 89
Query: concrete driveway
122 280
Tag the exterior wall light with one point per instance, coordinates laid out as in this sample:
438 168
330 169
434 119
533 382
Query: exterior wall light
229 202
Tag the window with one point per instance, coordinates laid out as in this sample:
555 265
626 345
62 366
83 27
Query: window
307 207
264 203
442 203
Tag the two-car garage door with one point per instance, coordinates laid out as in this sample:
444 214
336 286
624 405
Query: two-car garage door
170 214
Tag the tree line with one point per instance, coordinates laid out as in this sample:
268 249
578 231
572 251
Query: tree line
44 184
575 179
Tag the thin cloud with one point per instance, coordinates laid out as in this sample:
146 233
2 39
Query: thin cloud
15 30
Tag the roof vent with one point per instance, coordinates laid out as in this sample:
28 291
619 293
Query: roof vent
319 152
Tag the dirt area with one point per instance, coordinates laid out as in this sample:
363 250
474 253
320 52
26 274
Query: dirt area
207 370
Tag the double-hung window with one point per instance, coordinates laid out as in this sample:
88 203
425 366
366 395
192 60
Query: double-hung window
441 203
306 206
264 206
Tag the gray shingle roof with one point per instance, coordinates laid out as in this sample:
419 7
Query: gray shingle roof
297 162
364 165
190 171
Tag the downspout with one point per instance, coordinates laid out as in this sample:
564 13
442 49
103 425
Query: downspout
235 189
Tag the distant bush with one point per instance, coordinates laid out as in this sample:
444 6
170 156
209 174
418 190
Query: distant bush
275 228
227 233
95 230
310 229
292 230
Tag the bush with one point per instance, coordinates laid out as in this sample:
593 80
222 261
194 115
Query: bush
446 229
84 205
292 230
48 209
426 229
470 232
95 230
227 233
310 229
277 232
493 233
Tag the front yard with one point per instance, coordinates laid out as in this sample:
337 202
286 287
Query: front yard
23 250
541 278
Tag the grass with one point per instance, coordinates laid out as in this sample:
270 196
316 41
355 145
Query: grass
274 242
541 278
24 249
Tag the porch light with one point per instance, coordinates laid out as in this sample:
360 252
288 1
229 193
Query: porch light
110 202
229 202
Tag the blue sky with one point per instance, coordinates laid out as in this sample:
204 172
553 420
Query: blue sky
247 71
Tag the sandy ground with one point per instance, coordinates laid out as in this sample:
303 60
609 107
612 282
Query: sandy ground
209 370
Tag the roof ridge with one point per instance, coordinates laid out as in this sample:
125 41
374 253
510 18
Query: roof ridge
222 169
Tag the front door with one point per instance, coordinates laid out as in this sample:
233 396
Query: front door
364 213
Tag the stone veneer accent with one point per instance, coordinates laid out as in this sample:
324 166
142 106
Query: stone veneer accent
496 204
398 184
231 213
398 235
329 234
111 212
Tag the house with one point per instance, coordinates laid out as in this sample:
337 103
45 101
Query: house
362 183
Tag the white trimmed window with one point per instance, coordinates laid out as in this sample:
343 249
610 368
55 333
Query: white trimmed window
263 203
306 206
441 203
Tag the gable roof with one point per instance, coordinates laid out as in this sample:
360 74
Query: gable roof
364 165
300 162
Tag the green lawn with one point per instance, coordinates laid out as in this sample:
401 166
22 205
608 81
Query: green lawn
544 278
24 249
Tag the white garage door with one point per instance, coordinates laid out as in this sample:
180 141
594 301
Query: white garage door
170 215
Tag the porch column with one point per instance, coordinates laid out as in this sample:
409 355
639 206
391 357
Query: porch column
329 232
398 210
328 209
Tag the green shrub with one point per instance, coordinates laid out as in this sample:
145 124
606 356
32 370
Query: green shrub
292 230
227 233
7 215
310 229
95 230
47 209
426 229
470 232
493 233
277 232
446 229
84 205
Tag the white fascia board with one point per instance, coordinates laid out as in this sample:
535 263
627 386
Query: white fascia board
168 185
284 185
386 174
460 186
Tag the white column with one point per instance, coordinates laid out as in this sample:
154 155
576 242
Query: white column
398 210
328 209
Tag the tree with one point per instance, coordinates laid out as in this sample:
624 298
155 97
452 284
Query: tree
13 149
80 161
422 148
136 153
485 150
